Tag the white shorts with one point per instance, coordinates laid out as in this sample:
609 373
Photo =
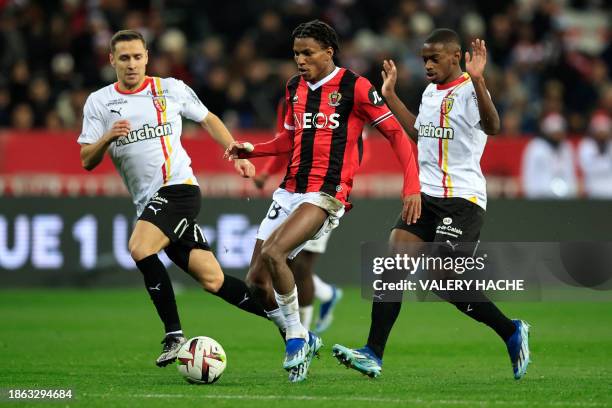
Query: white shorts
284 203
318 245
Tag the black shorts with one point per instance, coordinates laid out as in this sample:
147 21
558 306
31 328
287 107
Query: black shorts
173 209
446 219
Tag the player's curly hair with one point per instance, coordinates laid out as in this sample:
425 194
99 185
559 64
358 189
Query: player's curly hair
320 31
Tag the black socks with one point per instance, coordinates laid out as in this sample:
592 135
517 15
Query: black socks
160 289
384 315
486 312
479 307
237 293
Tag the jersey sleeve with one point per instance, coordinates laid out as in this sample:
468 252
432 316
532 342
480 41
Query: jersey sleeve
370 106
472 113
191 106
93 122
281 144
275 164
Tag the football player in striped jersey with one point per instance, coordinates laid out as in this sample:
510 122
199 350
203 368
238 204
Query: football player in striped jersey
327 108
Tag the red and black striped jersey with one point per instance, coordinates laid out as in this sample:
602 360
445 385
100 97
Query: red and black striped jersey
322 131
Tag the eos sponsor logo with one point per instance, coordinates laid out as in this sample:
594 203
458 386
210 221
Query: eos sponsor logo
319 120
146 132
437 132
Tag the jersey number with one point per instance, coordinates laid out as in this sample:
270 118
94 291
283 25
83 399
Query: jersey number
274 211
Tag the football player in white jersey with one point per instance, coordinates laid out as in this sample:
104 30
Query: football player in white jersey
138 121
455 116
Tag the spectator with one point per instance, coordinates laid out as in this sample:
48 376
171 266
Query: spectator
511 124
595 158
530 42
40 100
53 122
271 38
22 117
5 107
548 169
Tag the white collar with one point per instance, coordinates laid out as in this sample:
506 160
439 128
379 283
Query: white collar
324 80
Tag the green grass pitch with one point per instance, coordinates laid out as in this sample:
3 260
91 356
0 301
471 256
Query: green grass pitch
103 344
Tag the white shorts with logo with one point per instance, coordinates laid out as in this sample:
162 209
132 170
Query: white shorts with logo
285 202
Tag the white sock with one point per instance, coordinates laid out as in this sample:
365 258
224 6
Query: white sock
323 291
288 304
277 317
306 316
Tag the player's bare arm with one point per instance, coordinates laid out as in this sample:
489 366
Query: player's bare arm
401 112
475 66
219 132
92 154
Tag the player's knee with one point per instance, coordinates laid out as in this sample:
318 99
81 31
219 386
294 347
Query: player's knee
212 282
139 251
272 256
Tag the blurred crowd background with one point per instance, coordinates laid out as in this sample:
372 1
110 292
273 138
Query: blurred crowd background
549 65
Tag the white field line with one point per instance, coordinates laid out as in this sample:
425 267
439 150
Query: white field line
432 402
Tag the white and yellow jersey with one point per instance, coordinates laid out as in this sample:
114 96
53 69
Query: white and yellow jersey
451 142
151 156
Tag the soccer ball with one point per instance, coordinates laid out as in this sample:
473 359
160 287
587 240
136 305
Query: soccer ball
201 360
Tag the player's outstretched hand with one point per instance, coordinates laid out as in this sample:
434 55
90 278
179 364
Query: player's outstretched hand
119 128
475 63
244 167
260 180
236 149
412 208
389 76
